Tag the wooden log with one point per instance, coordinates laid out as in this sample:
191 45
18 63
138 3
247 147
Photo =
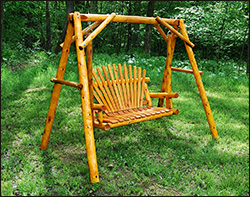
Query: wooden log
85 31
166 79
125 19
68 83
199 83
89 54
185 39
99 107
57 87
97 30
157 26
185 70
85 102
164 95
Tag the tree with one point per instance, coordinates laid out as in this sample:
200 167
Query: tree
1 4
129 28
93 7
48 32
148 34
70 8
137 11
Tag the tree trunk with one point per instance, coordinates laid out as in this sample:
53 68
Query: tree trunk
93 7
70 8
148 35
100 6
221 34
248 60
129 29
137 11
48 32
1 31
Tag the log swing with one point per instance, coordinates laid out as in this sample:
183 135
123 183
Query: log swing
121 92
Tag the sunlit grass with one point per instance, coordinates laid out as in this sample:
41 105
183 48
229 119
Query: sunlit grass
173 155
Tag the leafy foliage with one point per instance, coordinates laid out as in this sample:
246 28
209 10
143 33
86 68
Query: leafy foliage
218 29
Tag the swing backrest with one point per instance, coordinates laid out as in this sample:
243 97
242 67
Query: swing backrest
119 88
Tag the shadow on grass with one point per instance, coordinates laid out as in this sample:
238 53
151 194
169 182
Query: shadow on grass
159 154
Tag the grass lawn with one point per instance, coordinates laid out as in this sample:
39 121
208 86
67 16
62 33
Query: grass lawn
173 155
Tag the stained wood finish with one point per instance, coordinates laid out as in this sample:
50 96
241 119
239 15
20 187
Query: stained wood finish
166 79
86 103
57 87
124 92
199 83
125 19
173 30
117 90
126 120
120 92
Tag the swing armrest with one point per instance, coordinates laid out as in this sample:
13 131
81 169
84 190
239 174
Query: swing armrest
163 95
99 107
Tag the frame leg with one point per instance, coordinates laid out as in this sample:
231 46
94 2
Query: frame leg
57 87
199 83
85 102
166 80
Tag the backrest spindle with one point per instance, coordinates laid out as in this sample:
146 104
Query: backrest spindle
121 89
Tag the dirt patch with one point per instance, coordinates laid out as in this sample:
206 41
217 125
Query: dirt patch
71 153
34 89
159 190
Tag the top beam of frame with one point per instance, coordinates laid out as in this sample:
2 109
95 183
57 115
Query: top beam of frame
125 19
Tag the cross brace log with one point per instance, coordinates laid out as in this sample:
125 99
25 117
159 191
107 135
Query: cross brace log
162 22
97 30
85 31
68 83
161 32
185 70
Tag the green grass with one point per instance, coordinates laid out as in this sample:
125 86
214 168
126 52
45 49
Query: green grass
173 155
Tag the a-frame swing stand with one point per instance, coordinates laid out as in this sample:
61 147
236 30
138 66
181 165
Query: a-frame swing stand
85 84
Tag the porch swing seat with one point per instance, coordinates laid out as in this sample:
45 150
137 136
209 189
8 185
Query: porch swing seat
123 98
